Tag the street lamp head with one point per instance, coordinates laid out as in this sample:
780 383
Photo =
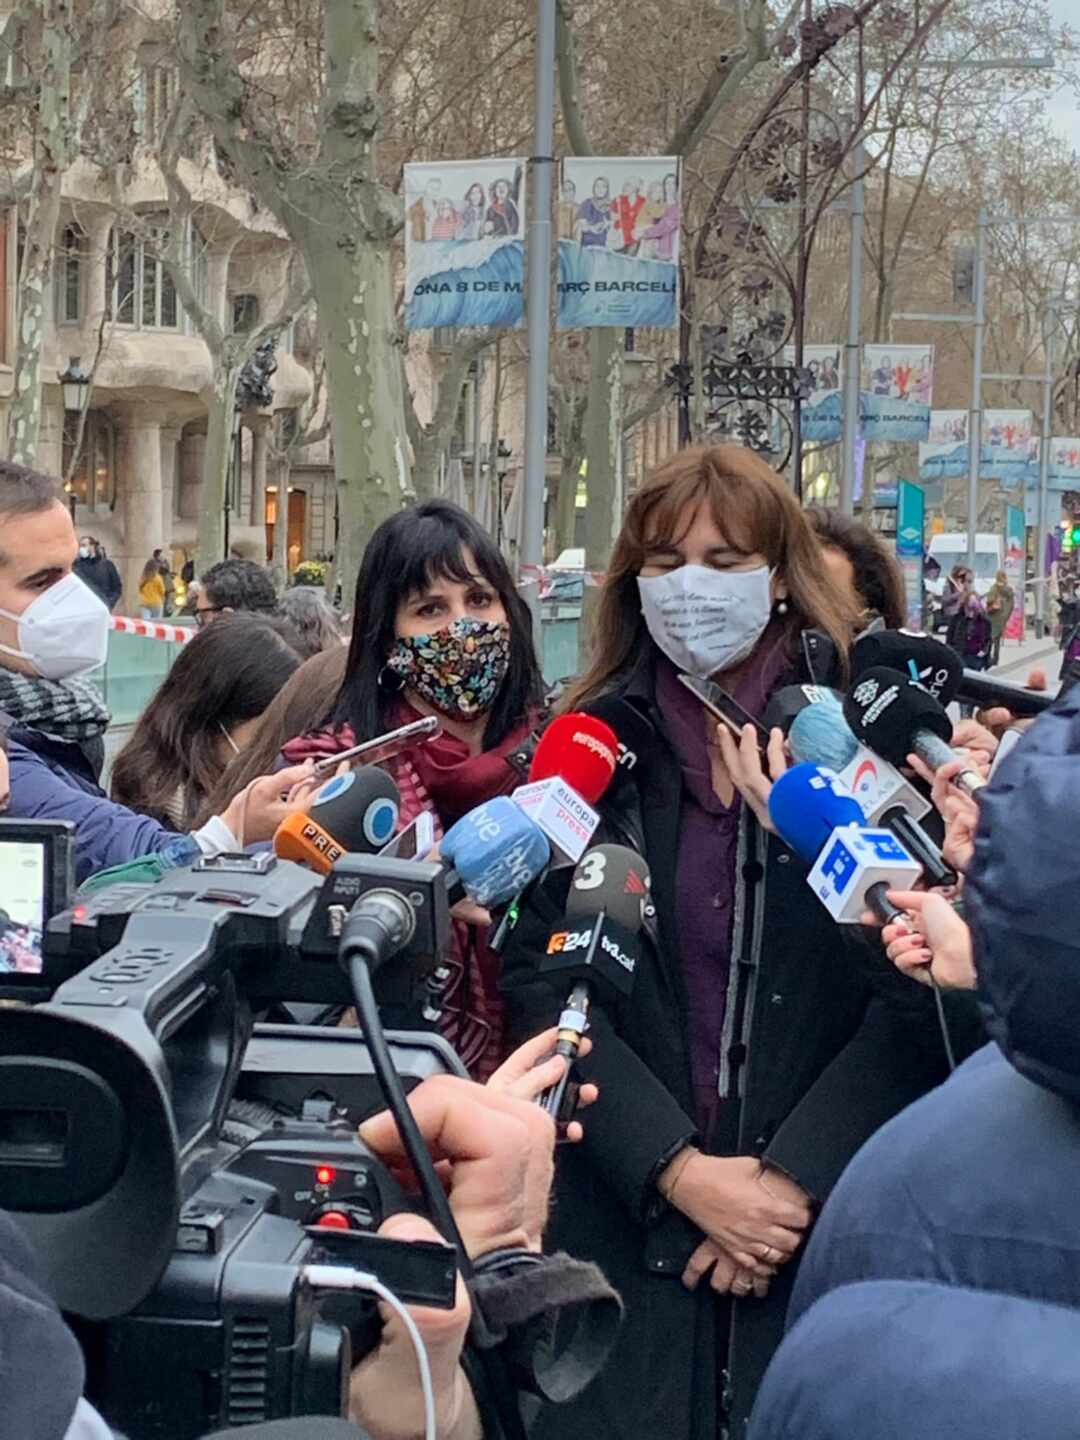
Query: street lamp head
75 385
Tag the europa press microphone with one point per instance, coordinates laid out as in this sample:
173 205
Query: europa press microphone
574 763
895 716
352 813
597 949
852 864
820 735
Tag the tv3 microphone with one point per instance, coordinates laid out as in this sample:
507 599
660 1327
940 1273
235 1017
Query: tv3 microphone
820 735
852 865
894 716
355 813
597 951
574 764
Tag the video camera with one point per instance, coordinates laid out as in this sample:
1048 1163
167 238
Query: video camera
175 1226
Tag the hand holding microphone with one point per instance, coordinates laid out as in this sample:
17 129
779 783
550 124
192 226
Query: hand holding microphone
938 950
896 717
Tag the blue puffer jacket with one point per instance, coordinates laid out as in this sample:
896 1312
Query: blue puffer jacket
889 1360
53 780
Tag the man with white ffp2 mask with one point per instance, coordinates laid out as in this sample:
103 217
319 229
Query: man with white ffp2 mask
54 634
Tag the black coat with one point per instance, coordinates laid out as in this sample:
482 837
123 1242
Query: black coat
827 1042
102 576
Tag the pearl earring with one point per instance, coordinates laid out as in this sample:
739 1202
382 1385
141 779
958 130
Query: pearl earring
781 607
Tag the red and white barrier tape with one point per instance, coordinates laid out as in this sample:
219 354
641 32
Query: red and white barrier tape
151 629
545 575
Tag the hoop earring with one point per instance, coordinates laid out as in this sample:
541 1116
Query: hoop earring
390 681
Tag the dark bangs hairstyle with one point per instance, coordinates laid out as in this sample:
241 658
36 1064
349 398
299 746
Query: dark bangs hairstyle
225 674
756 512
406 555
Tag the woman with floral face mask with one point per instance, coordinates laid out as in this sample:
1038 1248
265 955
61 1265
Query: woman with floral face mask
439 629
758 1048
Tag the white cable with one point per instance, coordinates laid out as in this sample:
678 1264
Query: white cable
342 1277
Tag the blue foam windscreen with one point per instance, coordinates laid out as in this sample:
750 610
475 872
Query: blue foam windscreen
821 736
806 805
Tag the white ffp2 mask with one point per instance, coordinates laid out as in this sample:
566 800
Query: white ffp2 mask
706 620
63 632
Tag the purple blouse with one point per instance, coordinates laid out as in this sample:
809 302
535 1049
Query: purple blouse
705 870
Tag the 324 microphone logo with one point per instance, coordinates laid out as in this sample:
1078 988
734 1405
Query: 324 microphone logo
566 940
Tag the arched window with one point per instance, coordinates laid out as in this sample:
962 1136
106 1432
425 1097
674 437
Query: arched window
138 288
245 313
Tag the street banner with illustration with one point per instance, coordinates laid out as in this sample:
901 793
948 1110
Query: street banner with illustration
1063 472
618 229
1014 570
464 244
1007 445
943 455
822 415
910 526
896 391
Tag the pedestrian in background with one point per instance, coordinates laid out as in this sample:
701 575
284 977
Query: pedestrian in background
234 584
94 568
1000 600
305 608
968 631
151 590
167 576
202 716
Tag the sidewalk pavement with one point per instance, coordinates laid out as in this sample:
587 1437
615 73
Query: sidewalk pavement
1020 656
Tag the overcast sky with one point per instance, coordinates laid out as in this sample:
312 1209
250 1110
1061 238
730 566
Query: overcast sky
1063 109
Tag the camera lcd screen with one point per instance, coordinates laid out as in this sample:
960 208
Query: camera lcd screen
23 892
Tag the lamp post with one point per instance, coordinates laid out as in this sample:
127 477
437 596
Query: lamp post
75 388
232 480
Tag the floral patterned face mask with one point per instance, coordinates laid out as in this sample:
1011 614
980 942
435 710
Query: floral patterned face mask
458 669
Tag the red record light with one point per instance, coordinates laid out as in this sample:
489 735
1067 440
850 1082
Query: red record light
324 1174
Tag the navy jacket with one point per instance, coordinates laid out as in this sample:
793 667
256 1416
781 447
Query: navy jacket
41 1365
54 780
976 1184
895 1361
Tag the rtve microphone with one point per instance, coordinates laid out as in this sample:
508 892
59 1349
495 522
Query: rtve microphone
895 716
597 951
496 851
821 736
920 657
852 864
362 807
574 764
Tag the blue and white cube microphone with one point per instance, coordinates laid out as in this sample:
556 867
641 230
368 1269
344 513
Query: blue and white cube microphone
852 865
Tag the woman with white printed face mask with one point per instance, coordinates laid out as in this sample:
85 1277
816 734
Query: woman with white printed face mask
755 1054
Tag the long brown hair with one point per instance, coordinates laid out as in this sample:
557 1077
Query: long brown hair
302 704
756 512
226 674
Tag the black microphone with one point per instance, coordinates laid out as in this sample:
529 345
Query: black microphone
895 716
633 730
933 665
978 688
597 950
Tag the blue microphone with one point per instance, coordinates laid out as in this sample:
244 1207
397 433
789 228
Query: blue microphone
820 735
852 865
496 851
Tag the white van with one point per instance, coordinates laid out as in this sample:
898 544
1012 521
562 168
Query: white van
952 548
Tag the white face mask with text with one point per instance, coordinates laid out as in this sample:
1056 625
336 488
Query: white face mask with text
705 620
64 631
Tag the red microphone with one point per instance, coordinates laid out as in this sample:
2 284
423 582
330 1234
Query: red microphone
574 763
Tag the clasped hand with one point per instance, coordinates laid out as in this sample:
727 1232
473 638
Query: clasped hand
754 1219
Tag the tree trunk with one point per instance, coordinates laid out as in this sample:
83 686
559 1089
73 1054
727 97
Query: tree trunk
566 505
603 441
354 294
210 536
49 158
